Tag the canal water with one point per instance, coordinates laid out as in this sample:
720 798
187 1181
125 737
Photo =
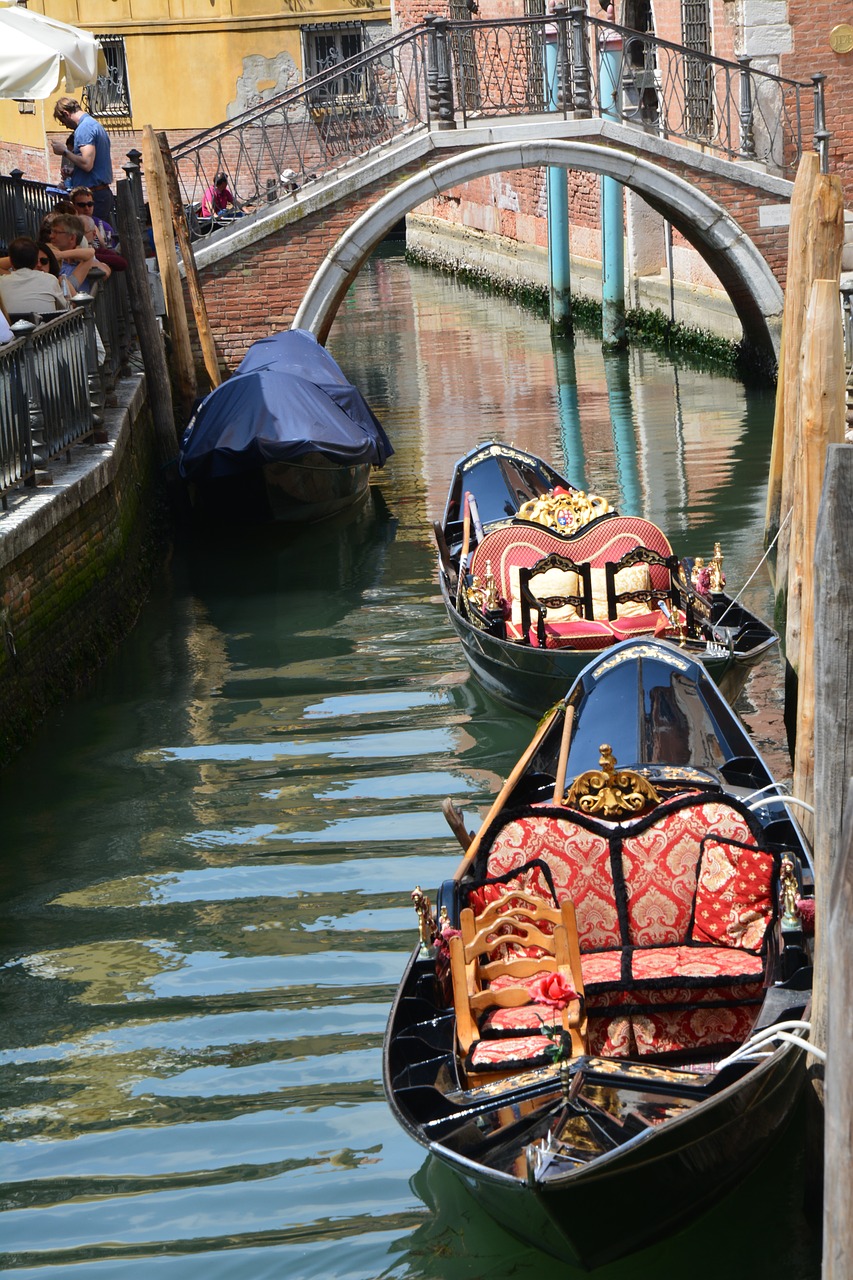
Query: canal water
207 857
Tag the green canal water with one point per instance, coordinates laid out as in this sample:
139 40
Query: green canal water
207 857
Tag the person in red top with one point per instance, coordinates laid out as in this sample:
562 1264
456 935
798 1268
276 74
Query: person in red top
217 199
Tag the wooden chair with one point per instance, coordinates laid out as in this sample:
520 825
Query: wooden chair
492 964
665 583
539 601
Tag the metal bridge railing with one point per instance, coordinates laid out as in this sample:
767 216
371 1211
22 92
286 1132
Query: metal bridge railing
450 74
53 383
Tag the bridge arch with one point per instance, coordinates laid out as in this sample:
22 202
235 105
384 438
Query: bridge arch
730 253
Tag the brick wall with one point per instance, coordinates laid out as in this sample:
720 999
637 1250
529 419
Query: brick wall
811 23
75 575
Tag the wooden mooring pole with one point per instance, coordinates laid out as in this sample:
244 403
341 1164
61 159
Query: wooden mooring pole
832 1000
147 329
823 262
182 231
822 411
838 1170
784 425
167 260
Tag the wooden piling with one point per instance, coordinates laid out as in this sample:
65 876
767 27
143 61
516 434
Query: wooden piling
838 1171
780 481
825 243
182 231
147 329
167 260
833 742
821 424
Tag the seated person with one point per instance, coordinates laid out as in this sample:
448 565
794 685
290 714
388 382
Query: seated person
218 201
99 234
75 260
27 289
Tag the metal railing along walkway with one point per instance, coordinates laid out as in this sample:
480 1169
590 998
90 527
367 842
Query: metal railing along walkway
451 75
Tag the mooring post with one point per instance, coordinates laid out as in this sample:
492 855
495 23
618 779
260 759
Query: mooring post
832 1026
557 185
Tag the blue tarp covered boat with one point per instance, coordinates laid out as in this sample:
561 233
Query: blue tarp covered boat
287 437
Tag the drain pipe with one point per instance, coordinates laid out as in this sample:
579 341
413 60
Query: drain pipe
612 212
557 187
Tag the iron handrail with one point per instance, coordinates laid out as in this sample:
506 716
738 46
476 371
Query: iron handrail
451 74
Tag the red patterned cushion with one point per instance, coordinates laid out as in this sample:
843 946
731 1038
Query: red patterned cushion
709 963
527 1019
504 1054
660 866
580 866
672 1032
600 967
531 877
668 1031
734 895
574 635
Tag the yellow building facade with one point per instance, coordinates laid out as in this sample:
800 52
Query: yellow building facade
186 65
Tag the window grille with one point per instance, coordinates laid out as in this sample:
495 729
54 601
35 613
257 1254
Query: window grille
108 99
324 48
696 34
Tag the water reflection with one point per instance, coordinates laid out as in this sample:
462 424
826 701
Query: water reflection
208 856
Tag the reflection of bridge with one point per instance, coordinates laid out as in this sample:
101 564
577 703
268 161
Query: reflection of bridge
708 144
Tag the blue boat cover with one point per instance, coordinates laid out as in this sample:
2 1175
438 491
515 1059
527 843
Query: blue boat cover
287 398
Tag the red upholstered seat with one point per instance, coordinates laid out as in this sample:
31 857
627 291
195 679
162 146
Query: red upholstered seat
673 909
507 1053
521 545
582 634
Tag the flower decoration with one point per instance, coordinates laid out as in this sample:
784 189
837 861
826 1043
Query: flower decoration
442 941
806 908
556 991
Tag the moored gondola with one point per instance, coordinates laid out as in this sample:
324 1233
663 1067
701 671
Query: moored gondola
537 575
601 1028
286 438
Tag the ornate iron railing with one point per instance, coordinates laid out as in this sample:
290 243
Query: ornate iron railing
452 74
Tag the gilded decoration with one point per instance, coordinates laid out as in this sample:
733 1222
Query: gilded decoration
564 512
608 793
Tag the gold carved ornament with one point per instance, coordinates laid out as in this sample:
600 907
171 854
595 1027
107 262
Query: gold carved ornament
609 792
564 511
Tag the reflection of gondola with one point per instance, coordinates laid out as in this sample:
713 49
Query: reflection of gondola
286 438
530 600
578 1034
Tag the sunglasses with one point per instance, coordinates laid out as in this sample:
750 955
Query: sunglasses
84 204
44 262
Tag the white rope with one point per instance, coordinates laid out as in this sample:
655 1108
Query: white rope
787 800
758 566
784 1032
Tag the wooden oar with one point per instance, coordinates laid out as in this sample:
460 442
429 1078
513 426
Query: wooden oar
456 821
466 538
563 760
507 787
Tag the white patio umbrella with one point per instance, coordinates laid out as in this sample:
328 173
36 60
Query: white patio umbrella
37 52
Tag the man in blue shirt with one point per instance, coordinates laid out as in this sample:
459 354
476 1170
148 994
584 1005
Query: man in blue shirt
93 165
